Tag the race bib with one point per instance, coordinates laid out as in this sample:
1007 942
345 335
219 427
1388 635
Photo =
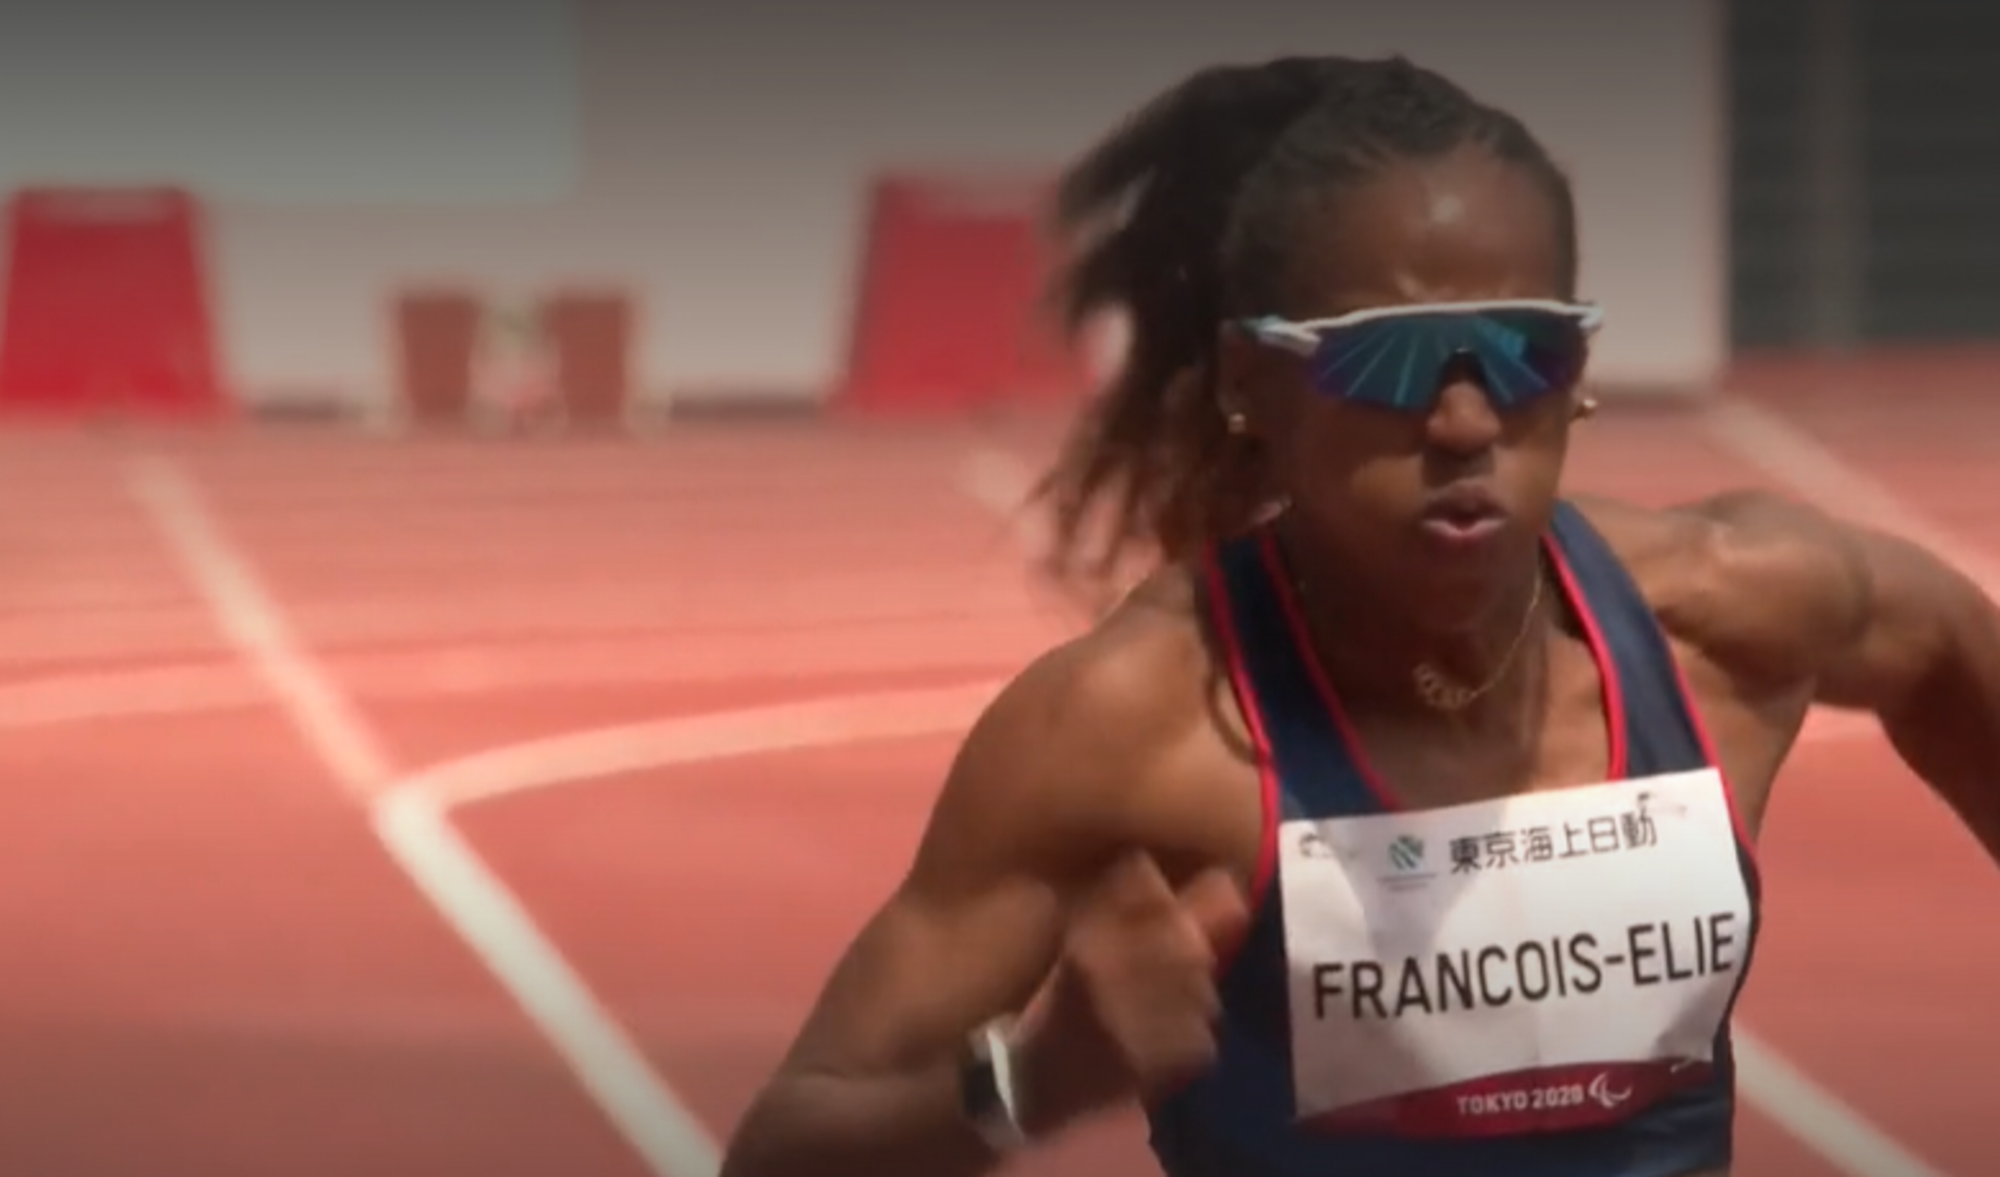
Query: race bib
1555 959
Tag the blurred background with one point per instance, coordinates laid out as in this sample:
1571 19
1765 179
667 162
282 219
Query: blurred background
512 503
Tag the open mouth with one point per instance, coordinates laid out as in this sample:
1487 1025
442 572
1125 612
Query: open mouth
1463 515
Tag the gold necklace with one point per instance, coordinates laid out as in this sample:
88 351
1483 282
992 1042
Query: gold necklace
1436 689
1440 693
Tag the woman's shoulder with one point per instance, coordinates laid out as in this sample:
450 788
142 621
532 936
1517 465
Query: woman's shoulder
1134 676
1098 727
1747 577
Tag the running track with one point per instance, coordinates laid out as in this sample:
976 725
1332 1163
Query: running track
448 807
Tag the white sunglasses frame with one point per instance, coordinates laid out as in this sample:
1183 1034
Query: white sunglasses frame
1303 336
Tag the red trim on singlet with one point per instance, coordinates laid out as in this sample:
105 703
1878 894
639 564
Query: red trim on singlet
1612 694
1253 717
1701 733
1687 699
1600 654
1295 620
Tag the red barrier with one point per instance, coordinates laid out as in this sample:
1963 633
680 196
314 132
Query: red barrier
437 338
948 311
590 333
107 309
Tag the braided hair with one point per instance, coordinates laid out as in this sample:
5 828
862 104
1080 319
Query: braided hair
1181 218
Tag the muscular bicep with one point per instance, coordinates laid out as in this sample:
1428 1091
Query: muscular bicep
1792 596
927 968
1022 823
1911 611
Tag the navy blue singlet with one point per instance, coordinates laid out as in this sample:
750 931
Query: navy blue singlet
1238 1120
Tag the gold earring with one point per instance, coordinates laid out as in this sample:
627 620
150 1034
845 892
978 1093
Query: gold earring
1586 409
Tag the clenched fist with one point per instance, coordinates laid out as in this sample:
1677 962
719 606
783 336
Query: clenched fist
1130 1009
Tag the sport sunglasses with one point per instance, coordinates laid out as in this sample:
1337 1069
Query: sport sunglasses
1395 357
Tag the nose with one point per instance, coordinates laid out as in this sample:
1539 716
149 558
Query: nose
1463 422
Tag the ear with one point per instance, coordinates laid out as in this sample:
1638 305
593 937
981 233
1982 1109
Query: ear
1239 366
1235 352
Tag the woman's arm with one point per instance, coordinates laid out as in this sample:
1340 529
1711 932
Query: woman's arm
1866 621
1027 816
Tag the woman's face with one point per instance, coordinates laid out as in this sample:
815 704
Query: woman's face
1371 486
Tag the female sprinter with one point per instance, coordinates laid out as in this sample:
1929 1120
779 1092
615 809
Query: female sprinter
1401 825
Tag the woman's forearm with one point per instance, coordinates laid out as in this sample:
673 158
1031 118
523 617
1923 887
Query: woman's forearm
911 1124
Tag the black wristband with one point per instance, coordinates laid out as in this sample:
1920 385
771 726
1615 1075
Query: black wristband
987 1090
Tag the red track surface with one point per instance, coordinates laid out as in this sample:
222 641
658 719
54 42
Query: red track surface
215 966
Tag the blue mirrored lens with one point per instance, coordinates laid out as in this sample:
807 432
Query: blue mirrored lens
1399 363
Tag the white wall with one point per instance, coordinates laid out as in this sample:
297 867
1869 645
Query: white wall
725 144
764 192
295 100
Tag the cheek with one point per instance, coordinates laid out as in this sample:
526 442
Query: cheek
1534 454
1545 433
1332 453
